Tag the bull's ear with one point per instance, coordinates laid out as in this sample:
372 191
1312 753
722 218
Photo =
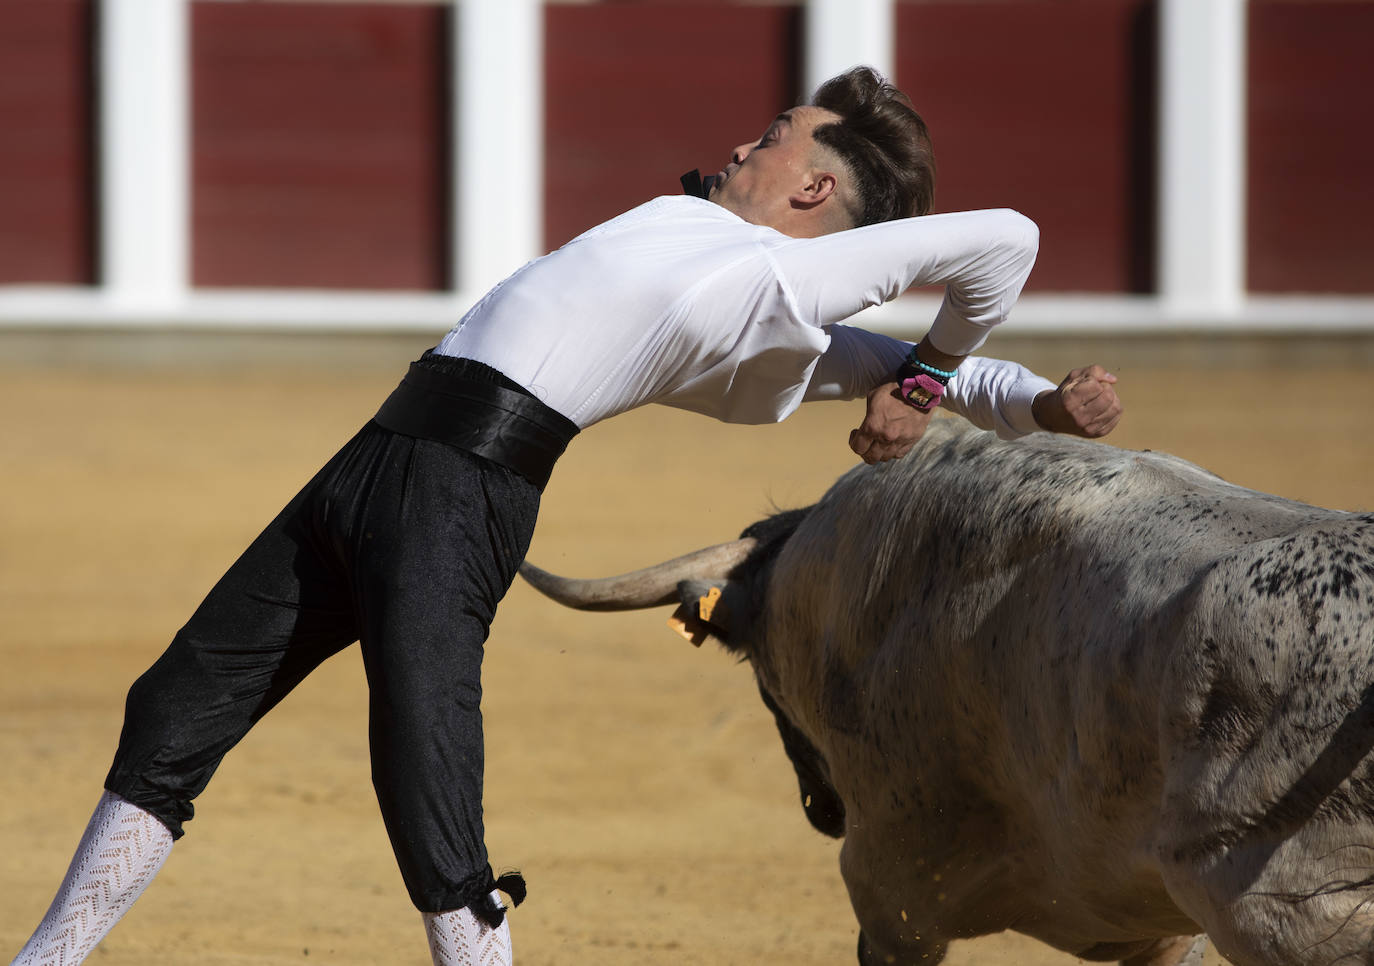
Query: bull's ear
706 609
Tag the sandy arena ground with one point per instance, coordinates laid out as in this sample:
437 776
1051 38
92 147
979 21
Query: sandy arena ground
638 782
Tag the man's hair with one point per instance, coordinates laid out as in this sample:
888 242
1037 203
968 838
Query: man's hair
882 142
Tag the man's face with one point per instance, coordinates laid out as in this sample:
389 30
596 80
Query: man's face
762 177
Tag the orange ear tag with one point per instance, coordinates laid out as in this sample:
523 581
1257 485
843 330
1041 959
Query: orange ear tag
693 626
706 605
687 626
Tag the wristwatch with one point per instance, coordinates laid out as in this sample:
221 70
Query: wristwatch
920 390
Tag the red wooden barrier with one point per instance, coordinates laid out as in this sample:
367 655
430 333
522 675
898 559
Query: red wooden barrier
1310 209
47 174
1047 107
637 94
320 145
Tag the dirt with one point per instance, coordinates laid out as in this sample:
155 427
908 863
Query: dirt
637 782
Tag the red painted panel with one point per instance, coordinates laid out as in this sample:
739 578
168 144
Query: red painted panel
1311 147
1046 106
47 192
320 145
637 94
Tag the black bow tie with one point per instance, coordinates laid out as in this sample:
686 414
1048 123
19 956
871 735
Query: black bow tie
697 186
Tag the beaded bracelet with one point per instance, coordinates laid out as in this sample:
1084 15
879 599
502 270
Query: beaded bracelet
941 374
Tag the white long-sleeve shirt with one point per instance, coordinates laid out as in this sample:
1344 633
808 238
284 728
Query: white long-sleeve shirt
681 302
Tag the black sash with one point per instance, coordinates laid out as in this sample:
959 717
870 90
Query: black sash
473 407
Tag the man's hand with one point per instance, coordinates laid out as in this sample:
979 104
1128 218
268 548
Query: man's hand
890 428
1085 404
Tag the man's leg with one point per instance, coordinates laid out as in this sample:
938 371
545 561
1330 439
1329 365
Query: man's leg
279 611
460 938
121 851
435 561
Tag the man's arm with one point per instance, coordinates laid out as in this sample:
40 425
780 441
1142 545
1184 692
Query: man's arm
983 259
1084 404
992 394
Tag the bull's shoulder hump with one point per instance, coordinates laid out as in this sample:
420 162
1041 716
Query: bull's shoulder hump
1027 478
972 493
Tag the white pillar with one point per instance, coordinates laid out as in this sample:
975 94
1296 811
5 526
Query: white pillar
843 33
144 146
1201 256
498 186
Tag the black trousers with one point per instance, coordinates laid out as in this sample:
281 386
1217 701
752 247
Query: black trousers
406 545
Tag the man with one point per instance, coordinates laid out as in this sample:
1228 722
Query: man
406 540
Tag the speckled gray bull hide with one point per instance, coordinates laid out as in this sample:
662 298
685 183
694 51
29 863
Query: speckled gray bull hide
1099 697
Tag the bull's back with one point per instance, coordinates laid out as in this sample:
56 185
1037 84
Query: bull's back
1016 575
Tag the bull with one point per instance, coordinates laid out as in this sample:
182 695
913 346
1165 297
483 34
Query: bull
1099 697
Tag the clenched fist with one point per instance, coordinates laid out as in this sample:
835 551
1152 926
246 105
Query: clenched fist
1085 404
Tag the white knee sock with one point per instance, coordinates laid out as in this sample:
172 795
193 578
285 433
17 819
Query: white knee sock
119 854
459 938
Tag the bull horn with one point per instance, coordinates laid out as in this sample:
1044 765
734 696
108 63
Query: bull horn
651 587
